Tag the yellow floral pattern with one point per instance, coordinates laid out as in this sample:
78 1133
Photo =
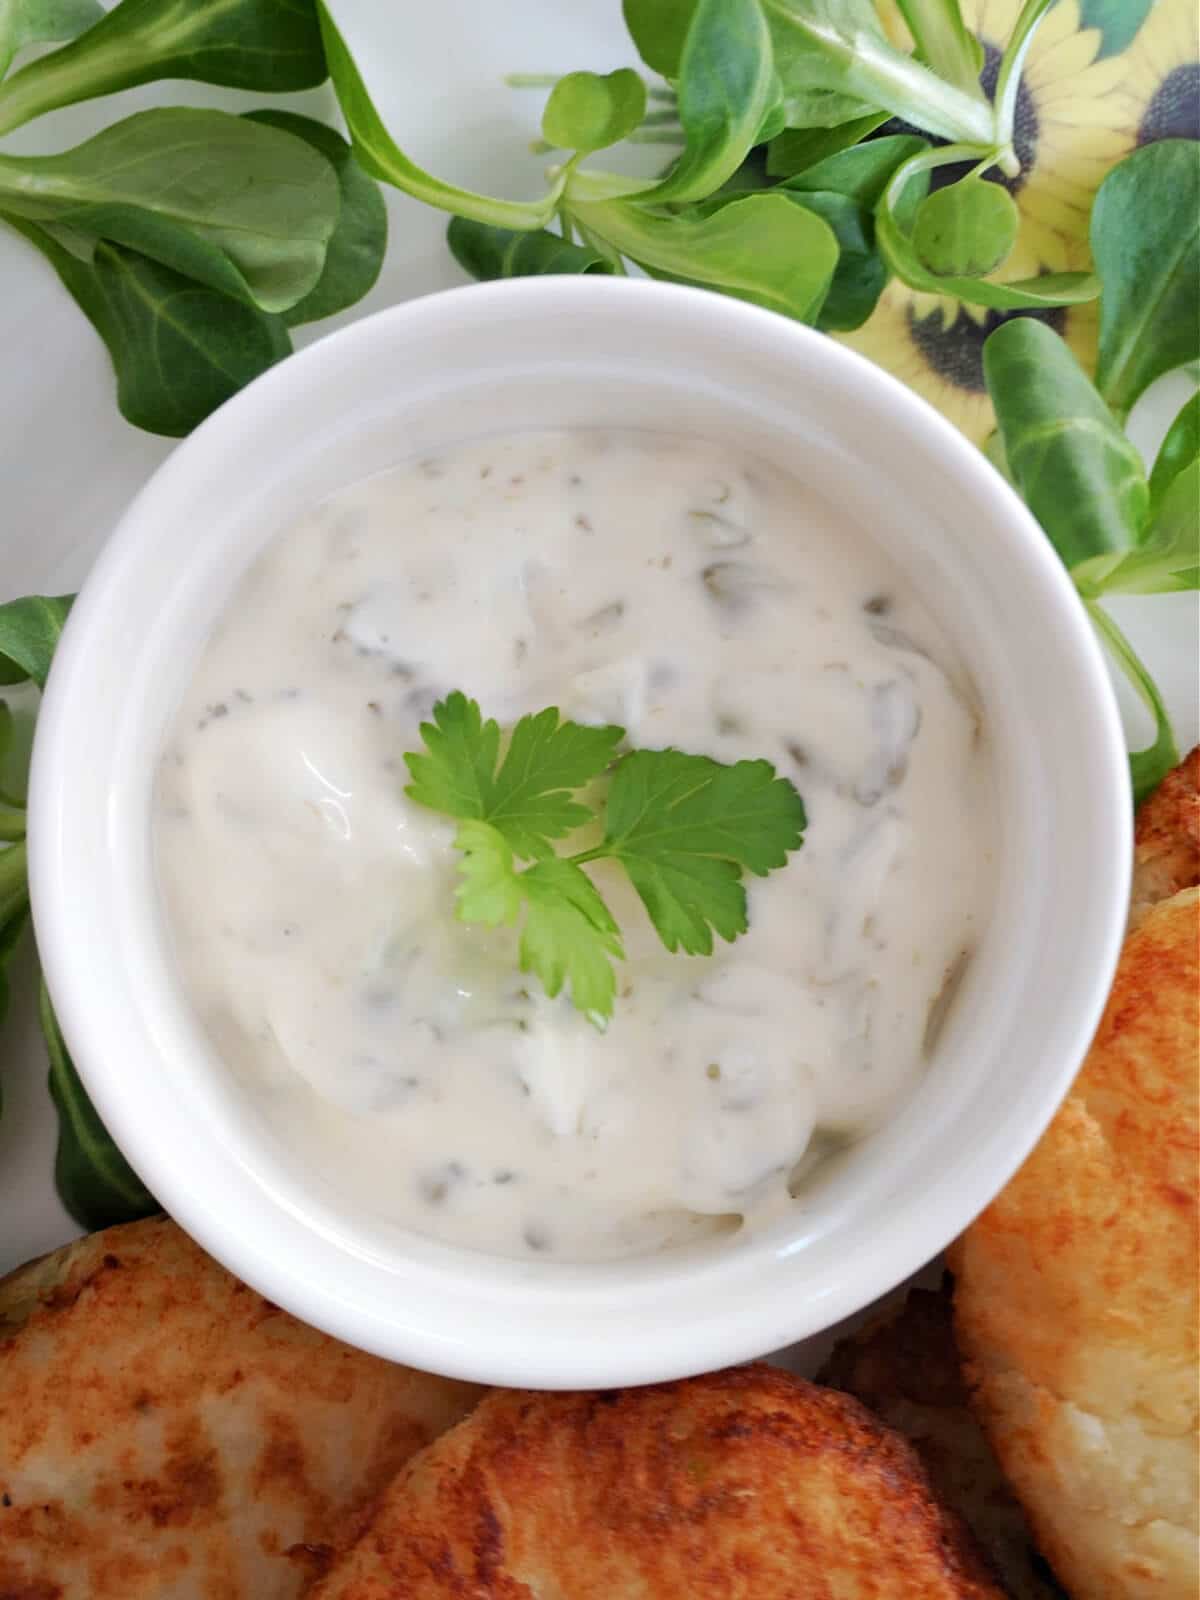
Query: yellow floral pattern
1079 111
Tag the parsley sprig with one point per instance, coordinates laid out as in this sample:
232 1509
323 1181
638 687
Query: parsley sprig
684 828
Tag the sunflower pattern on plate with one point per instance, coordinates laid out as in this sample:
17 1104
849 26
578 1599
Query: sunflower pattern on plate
1102 77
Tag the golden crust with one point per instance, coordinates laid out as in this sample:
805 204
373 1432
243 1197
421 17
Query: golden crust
167 1434
1076 1301
741 1485
1166 842
904 1366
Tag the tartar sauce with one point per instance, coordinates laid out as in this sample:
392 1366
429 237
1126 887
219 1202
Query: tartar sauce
700 599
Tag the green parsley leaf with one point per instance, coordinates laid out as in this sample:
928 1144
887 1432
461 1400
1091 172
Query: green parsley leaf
545 760
489 891
456 775
684 828
529 799
569 934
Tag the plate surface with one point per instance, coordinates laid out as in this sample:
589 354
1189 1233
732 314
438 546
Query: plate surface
69 464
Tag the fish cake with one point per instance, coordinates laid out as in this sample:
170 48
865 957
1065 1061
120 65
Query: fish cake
1166 841
1076 1300
904 1366
741 1485
168 1434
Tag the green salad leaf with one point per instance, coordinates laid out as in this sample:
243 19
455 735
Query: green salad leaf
899 250
29 632
836 63
355 252
589 111
179 348
795 150
239 206
92 1177
1039 293
25 22
659 29
486 252
1179 449
266 45
12 930
1078 473
190 238
1145 235
859 277
14 888
1167 560
727 86
965 230
94 1181
759 247
862 173
1084 481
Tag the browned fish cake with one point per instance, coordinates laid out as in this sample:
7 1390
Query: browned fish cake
743 1485
1076 1302
167 1434
904 1366
1166 846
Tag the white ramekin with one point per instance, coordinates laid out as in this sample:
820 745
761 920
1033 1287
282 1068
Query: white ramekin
562 352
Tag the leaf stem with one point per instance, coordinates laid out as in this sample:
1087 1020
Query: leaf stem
891 80
602 247
646 135
1012 64
1150 766
941 37
547 80
941 156
598 852
381 157
594 187
58 79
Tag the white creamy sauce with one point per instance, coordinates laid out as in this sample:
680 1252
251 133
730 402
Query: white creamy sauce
701 600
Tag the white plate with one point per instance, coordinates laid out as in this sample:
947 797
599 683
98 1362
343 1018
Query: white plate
69 464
